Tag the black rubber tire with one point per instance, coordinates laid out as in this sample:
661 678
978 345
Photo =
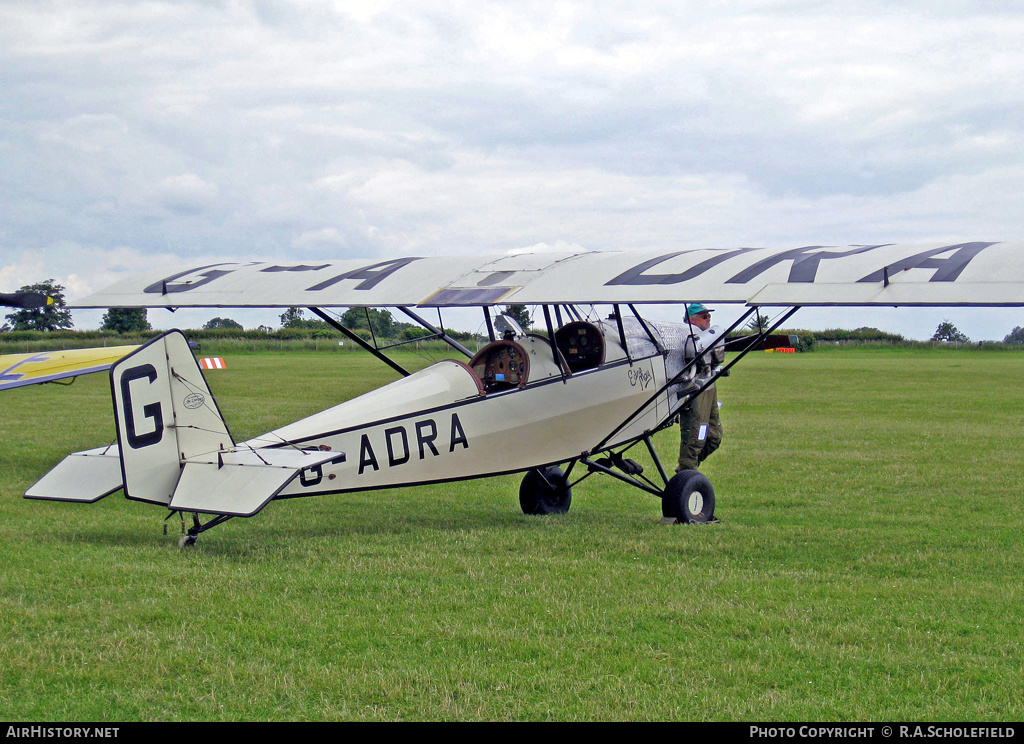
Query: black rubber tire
536 496
689 497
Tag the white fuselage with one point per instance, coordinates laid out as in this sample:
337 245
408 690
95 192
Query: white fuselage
440 424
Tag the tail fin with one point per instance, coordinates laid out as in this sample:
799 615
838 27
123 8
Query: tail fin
165 414
175 447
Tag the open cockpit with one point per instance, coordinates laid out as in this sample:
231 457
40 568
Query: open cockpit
570 348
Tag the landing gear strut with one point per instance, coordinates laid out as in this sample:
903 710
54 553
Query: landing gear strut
190 536
686 497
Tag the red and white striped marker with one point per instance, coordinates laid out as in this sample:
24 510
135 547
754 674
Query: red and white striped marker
212 363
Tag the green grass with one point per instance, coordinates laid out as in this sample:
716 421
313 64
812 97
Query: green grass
868 566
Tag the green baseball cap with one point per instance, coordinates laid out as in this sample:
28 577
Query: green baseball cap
696 308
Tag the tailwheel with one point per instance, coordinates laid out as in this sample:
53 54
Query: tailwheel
689 497
545 491
190 536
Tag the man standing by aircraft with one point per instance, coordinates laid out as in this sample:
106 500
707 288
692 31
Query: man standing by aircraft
699 422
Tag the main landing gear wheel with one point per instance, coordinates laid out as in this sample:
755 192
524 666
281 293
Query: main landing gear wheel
689 497
545 491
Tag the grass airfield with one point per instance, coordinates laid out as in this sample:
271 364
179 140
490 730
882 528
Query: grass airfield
868 567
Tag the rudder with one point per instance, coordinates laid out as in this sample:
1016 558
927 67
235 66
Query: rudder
164 413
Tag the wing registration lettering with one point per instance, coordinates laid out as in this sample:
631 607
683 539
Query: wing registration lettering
947 269
300 267
638 276
171 285
933 274
371 275
805 263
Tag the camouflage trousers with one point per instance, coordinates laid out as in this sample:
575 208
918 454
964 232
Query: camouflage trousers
700 429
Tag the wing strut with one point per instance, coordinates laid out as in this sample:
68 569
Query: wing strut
657 344
490 325
438 332
622 336
555 353
708 382
352 336
750 347
756 340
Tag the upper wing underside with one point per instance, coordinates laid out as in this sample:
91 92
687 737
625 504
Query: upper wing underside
971 274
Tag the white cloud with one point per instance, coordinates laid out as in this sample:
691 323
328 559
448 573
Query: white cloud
329 236
185 193
28 268
336 129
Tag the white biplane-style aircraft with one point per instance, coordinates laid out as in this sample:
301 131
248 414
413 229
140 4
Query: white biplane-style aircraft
558 406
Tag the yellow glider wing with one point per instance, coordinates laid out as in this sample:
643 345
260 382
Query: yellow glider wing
46 366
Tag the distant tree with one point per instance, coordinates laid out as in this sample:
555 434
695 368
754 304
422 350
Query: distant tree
759 323
227 323
410 332
381 321
292 318
49 318
125 320
864 333
949 333
1016 336
520 314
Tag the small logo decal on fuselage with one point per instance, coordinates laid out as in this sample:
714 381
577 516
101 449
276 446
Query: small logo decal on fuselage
640 376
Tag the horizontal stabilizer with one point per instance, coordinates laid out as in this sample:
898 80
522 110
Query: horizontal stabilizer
84 477
241 482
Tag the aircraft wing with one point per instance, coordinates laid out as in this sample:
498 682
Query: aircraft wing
937 274
17 370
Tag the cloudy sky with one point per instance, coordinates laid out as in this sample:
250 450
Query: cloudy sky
148 133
